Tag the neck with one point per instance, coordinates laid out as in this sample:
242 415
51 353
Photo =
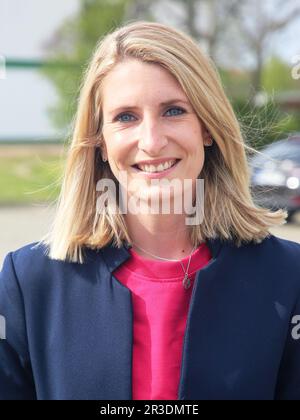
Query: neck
166 236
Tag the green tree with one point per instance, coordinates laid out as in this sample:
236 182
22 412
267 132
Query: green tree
276 76
73 45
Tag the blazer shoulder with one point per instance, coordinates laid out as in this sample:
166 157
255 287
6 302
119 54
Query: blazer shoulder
31 263
283 258
287 248
30 256
24 262
272 248
275 258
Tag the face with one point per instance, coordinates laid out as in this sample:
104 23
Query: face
150 129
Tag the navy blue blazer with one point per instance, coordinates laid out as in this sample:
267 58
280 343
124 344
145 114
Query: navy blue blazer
69 326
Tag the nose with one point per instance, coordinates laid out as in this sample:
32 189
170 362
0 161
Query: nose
151 139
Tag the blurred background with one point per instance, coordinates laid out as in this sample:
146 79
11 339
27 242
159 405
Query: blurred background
45 46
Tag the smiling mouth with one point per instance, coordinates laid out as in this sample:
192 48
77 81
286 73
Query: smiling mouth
151 169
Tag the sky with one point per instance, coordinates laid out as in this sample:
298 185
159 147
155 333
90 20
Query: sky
25 28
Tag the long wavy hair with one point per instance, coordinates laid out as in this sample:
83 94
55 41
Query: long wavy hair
226 173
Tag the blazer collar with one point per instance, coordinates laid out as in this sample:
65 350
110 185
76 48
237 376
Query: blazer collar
114 256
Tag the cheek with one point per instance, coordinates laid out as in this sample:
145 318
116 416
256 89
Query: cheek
197 153
194 147
117 148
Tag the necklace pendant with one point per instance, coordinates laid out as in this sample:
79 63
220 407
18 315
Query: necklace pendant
186 281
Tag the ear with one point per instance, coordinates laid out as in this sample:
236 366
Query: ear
207 138
104 155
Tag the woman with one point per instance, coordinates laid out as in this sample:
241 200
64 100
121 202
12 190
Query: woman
144 304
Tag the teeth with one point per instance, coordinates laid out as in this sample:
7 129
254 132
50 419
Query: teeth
161 167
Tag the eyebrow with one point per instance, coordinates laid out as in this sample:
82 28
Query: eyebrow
162 104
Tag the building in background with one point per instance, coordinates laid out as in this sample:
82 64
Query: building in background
25 95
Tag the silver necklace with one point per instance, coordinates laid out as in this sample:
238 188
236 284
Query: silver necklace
186 279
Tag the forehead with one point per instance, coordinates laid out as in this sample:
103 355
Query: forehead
133 80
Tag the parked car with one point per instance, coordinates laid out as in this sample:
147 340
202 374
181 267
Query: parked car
275 175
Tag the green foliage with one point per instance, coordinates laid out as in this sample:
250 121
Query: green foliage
262 125
277 77
265 124
28 179
73 45
237 84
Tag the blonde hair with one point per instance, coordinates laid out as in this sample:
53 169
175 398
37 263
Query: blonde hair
232 212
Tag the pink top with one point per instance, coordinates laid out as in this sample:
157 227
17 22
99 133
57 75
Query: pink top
160 309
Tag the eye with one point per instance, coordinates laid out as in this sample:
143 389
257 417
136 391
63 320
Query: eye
127 116
118 117
176 109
